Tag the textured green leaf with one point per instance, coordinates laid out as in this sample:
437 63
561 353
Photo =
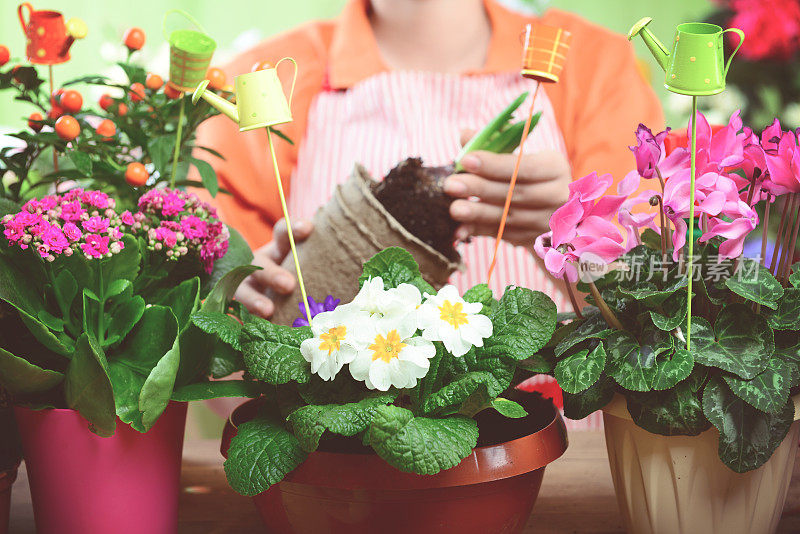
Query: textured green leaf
585 403
759 286
631 365
395 266
672 367
523 322
794 278
272 352
650 294
740 342
217 300
222 325
19 376
310 422
87 387
509 408
748 436
593 327
224 361
786 315
260 455
580 370
340 390
676 411
421 445
769 389
482 294
672 312
450 396
217 389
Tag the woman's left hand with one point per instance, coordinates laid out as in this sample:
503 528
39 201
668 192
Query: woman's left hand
541 188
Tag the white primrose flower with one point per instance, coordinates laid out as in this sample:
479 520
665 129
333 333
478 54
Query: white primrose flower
333 344
387 307
448 318
394 357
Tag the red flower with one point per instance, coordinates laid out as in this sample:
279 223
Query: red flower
772 28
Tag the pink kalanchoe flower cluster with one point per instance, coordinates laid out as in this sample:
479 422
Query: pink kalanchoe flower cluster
77 221
179 223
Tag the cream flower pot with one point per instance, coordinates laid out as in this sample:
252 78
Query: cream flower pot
678 485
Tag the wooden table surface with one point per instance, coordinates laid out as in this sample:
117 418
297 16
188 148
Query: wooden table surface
577 495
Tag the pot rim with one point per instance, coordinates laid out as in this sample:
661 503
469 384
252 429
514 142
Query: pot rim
369 471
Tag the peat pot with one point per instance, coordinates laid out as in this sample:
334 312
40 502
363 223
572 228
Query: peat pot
678 484
7 479
491 491
82 483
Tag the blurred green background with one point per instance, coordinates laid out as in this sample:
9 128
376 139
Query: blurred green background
237 25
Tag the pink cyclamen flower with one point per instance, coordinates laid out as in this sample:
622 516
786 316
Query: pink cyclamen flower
649 151
783 163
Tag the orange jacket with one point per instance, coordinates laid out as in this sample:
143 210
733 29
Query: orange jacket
598 103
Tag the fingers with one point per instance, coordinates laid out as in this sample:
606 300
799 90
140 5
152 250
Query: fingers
254 300
479 213
531 195
272 276
466 135
278 248
539 167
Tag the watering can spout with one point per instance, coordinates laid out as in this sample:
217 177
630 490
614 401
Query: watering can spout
658 50
223 106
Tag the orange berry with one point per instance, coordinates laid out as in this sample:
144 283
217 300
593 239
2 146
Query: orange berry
216 78
134 38
35 121
122 109
55 97
136 93
106 129
261 65
106 101
154 81
172 92
136 175
5 55
67 128
55 112
15 74
71 101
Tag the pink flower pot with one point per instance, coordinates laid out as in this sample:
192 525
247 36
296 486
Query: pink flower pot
84 484
7 479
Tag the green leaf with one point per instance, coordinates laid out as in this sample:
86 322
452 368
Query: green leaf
672 312
794 278
160 150
221 325
126 313
759 286
482 137
672 368
509 408
523 322
157 388
21 377
740 342
43 334
769 389
481 294
650 294
585 403
272 352
395 266
450 396
631 365
260 455
748 437
217 300
207 174
786 315
87 387
121 266
238 254
217 389
676 411
421 445
593 327
580 370
127 385
308 423
224 361
82 161
183 300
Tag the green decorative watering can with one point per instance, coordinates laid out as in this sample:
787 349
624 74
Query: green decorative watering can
696 66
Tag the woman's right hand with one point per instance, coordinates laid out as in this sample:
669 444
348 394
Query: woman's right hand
272 276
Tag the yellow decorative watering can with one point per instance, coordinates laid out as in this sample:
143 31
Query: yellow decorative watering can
696 66
260 101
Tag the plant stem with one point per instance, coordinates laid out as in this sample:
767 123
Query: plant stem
764 231
55 152
787 235
177 150
605 311
573 299
776 249
690 262
790 256
663 227
660 180
101 307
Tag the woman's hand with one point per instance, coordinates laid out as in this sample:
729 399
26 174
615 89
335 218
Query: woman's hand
272 275
541 188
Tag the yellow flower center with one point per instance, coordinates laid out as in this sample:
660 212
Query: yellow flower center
453 313
332 339
387 348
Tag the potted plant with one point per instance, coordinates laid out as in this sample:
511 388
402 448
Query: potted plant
10 455
701 433
101 267
396 409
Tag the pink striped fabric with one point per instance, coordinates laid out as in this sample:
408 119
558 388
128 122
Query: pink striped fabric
394 115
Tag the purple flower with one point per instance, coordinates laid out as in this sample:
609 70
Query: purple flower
649 150
329 304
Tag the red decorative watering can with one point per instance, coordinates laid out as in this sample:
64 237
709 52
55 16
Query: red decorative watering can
48 37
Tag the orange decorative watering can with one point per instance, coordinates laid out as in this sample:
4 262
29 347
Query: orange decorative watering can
544 53
48 38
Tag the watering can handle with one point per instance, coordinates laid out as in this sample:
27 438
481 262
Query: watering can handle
294 80
22 18
740 33
186 15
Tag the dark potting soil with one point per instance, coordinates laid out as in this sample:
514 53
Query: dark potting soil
414 195
493 428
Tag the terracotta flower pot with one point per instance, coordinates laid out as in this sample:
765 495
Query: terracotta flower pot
491 491
84 484
7 479
678 484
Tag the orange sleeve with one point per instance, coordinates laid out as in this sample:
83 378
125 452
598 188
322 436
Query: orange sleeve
601 99
253 205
